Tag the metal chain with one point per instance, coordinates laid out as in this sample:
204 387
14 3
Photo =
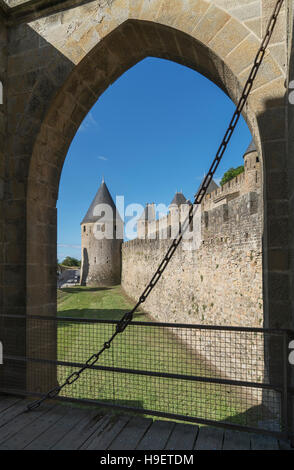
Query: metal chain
198 198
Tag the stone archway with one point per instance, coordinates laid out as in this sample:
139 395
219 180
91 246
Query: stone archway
61 62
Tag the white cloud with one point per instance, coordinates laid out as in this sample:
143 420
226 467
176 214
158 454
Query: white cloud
101 157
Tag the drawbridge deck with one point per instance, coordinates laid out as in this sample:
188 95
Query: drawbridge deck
62 426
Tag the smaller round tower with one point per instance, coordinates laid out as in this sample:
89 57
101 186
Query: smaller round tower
147 218
175 212
252 168
101 239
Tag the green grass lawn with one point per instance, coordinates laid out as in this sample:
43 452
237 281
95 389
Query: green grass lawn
141 348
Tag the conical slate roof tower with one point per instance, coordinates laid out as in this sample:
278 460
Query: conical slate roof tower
211 187
251 167
251 148
102 197
178 199
101 236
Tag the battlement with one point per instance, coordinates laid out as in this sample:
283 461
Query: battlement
234 187
236 221
248 181
142 243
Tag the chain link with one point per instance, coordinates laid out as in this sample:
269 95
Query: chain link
198 198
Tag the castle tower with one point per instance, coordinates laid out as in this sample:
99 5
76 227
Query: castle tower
211 187
252 169
147 218
101 238
175 211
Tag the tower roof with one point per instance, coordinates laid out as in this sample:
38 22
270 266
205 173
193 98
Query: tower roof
103 196
251 148
179 199
211 187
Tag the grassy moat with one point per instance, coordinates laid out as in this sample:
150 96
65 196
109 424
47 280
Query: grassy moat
138 347
106 303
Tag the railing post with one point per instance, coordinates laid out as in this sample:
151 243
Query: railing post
290 385
285 400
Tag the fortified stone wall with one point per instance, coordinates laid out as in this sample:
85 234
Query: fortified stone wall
220 283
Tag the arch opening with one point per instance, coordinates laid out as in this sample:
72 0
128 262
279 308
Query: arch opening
101 67
134 171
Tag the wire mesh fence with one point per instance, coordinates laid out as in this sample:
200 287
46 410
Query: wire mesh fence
229 376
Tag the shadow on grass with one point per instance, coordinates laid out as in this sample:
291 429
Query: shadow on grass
258 416
78 290
100 314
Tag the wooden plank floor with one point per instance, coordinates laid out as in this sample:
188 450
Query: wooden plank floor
62 426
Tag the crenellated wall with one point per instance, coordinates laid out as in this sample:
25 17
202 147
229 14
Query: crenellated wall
220 283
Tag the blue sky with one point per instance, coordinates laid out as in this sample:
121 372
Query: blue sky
153 132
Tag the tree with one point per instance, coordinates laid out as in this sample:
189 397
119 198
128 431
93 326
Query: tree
72 262
231 173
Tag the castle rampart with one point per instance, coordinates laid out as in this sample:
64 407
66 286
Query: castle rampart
219 283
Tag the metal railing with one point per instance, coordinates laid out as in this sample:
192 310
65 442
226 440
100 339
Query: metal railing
224 376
